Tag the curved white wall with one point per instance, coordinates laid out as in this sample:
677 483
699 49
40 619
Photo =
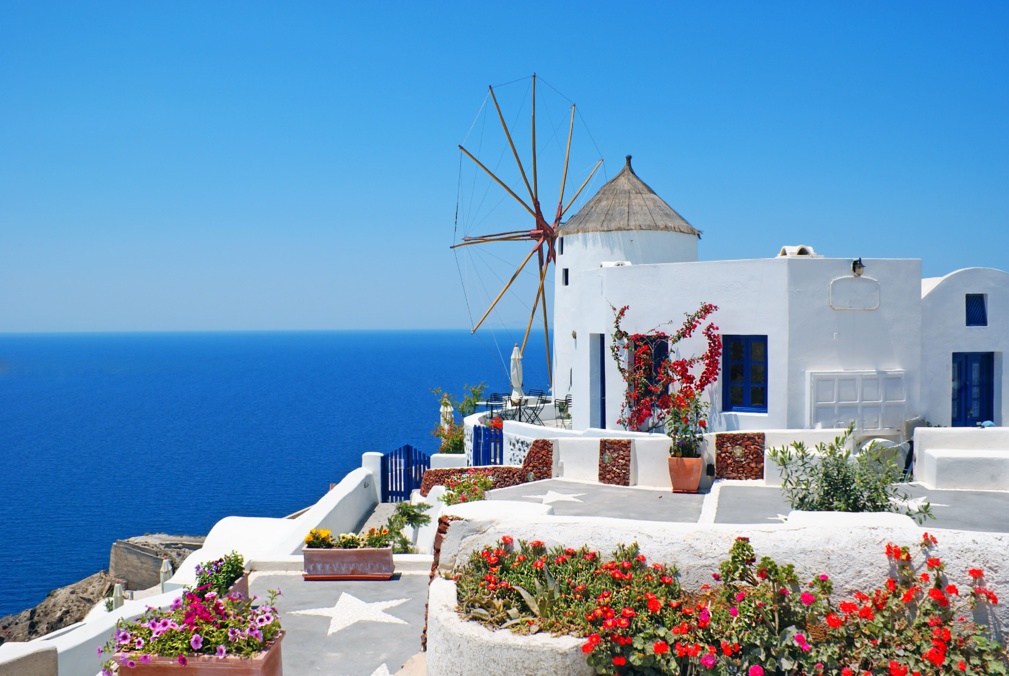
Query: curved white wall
944 331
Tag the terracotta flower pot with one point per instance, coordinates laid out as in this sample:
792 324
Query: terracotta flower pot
366 563
269 662
685 474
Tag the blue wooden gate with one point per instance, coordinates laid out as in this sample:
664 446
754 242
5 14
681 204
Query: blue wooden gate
402 471
488 446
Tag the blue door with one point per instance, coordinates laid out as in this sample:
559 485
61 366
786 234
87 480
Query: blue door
973 388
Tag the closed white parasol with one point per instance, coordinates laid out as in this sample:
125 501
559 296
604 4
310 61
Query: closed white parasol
516 375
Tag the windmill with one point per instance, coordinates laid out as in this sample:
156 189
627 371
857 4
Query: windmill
543 232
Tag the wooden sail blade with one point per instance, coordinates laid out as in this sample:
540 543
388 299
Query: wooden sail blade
487 241
541 295
591 174
532 315
567 157
506 287
511 143
513 236
500 182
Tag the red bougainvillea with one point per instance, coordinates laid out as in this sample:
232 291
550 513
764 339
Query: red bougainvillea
663 390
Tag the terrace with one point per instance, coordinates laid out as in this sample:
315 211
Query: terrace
376 628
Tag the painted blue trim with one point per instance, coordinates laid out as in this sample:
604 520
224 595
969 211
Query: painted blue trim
745 366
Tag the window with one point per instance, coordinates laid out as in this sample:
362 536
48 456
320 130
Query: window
977 310
560 246
658 352
744 370
564 277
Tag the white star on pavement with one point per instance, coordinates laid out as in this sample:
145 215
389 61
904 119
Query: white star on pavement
552 496
350 610
915 503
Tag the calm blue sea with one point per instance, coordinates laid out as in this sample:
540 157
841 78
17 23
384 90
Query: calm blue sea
107 436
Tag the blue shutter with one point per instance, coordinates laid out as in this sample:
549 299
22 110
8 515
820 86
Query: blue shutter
977 313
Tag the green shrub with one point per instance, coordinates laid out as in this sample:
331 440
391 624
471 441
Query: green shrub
829 479
219 575
469 486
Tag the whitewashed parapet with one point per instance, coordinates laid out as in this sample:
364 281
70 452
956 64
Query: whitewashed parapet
962 457
28 659
456 647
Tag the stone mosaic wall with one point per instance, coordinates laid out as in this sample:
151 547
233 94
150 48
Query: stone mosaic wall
615 462
739 455
538 465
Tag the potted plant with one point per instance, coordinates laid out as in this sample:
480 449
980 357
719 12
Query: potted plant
203 632
225 576
685 426
361 556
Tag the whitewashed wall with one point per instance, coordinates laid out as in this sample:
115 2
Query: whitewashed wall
583 254
787 299
944 331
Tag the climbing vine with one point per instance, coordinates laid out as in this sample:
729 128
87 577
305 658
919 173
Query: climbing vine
664 390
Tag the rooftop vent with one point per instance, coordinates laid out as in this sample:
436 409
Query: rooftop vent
800 250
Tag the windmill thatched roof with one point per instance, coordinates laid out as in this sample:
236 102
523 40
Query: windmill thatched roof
626 203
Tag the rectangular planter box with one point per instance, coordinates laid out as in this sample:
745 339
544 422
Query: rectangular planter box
348 564
267 663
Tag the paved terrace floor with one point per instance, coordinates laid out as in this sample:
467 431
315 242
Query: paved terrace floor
374 628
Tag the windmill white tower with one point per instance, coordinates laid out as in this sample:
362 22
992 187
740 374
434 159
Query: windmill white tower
625 223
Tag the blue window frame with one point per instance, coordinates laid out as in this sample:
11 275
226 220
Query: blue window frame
977 310
744 373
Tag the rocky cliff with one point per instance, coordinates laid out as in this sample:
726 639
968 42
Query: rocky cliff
61 608
135 562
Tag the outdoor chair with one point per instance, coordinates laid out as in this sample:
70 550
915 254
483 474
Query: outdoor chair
530 412
494 401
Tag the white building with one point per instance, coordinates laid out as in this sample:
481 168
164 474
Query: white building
808 342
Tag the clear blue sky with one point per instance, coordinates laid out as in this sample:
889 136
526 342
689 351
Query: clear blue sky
248 165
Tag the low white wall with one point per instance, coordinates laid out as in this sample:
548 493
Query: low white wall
459 648
448 460
648 462
423 537
77 645
28 659
962 457
962 438
339 510
848 547
576 459
256 538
